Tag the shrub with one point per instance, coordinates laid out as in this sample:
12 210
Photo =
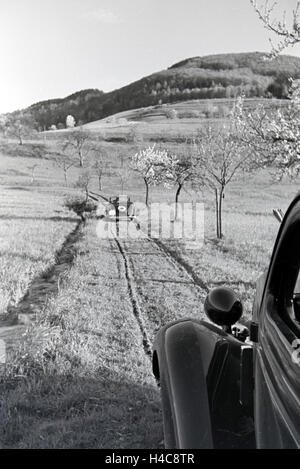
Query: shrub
80 206
171 113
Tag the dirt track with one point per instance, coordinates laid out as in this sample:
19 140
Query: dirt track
164 290
120 292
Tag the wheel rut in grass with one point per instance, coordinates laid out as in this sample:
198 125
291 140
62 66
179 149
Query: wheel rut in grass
40 289
134 297
181 263
164 289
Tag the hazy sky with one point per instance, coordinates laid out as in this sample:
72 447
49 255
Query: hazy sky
51 48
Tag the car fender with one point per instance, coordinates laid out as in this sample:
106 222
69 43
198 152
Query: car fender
194 361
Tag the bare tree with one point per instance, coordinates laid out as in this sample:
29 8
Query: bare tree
98 168
20 127
288 29
17 130
84 182
64 162
221 157
182 169
99 164
79 142
123 172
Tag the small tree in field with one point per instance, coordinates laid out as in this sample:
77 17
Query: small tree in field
123 173
79 143
151 164
182 169
20 127
64 162
17 130
84 182
221 158
99 163
98 167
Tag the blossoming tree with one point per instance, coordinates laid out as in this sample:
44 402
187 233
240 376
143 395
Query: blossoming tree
154 166
274 136
287 29
222 157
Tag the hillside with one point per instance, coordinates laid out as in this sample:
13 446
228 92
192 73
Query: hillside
171 122
214 76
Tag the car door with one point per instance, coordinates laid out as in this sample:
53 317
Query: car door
276 356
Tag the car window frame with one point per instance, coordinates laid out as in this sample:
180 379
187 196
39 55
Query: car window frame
283 273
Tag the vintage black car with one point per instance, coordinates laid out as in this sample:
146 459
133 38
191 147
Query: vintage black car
117 209
223 388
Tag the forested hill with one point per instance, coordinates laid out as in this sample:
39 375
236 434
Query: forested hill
214 76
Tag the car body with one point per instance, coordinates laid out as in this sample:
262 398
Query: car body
222 389
119 208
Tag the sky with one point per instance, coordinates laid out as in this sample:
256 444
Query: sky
52 48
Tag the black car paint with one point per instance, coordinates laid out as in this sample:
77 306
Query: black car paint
199 364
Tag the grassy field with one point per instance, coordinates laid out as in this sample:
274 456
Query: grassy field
79 377
33 225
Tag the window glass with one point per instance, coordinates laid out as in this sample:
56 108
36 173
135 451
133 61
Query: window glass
296 300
